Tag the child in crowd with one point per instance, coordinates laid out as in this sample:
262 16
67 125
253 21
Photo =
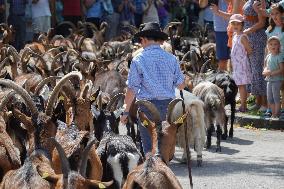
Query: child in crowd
276 26
273 70
240 62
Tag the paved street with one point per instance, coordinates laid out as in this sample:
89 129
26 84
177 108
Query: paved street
253 159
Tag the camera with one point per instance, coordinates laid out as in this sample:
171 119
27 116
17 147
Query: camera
212 2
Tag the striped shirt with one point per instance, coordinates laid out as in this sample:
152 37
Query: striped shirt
154 74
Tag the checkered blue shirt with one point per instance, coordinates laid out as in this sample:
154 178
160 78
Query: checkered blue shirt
154 74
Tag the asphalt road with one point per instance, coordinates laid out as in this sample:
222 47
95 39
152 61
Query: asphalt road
253 159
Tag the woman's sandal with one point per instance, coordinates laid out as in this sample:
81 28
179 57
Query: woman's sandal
242 110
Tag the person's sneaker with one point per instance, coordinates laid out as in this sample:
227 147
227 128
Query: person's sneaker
274 118
254 107
262 109
267 114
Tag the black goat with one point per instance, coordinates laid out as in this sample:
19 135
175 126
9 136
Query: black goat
118 153
230 89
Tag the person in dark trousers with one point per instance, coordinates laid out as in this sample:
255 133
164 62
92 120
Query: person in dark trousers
17 20
2 11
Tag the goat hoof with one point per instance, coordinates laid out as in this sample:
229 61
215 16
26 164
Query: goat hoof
208 145
183 160
199 163
224 136
218 149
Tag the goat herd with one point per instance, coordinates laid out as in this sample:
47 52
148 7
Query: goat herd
60 102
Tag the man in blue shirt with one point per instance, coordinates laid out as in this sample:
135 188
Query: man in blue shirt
154 74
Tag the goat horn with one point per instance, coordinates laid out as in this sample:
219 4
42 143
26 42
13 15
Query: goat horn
22 92
65 166
26 52
84 159
86 89
57 88
6 99
113 100
3 63
56 57
45 81
41 59
67 23
80 42
171 107
14 53
100 101
202 69
54 49
185 56
193 60
42 37
152 108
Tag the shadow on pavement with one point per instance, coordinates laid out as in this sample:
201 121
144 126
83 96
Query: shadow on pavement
221 168
239 141
224 150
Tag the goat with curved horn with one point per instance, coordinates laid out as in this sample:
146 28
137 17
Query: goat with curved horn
57 88
22 92
45 81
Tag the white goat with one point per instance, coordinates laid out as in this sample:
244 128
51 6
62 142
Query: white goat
195 122
214 102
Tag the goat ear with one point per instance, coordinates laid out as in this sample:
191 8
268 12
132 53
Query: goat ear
51 177
98 184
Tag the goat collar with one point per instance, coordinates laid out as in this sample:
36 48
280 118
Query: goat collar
181 119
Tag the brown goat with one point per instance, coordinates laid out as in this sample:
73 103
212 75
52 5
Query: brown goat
166 134
37 173
9 154
154 173
72 179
